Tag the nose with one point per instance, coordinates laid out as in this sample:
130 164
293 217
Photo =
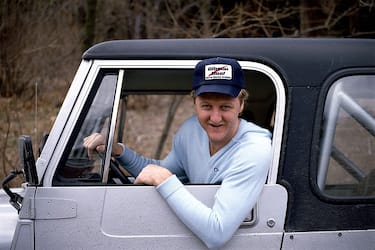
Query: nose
216 116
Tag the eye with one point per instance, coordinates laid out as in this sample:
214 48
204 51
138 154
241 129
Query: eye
226 107
205 106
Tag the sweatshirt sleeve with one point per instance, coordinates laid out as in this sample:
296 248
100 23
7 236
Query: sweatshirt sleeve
133 162
233 201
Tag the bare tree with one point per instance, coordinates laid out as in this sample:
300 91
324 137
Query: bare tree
42 41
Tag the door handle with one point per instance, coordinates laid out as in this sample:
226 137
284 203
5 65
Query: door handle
252 218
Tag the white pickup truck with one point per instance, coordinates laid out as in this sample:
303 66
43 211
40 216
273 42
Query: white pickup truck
316 96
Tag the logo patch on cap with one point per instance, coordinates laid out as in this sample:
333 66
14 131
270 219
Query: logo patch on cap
218 72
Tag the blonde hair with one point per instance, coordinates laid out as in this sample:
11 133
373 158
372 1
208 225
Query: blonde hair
243 96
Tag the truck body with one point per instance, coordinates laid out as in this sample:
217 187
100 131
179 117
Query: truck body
316 96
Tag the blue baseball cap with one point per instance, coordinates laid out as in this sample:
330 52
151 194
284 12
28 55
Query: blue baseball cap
218 75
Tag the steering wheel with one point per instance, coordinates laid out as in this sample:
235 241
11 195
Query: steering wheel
116 171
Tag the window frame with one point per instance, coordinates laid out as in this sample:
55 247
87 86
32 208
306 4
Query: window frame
98 65
81 118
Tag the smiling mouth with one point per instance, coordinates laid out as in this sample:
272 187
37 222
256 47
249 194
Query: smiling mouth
215 125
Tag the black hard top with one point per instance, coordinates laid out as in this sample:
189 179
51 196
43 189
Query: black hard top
296 59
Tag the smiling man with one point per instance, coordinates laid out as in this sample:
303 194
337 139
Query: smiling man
214 146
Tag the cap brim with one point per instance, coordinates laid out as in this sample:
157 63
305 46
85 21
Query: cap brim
220 89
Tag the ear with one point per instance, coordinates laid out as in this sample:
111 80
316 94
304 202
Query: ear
242 106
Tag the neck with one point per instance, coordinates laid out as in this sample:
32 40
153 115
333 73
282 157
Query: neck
214 149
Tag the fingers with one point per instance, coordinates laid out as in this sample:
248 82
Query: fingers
94 142
152 175
100 148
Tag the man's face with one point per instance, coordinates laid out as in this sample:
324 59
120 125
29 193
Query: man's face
218 115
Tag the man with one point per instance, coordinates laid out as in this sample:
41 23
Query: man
214 146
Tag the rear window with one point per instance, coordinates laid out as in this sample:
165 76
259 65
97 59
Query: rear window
347 155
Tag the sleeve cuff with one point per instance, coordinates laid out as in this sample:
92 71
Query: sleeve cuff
123 151
169 186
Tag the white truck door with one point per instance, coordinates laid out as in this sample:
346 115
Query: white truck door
136 217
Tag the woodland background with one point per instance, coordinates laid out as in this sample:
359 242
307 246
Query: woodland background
41 43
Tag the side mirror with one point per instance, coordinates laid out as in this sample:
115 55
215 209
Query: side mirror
27 161
28 168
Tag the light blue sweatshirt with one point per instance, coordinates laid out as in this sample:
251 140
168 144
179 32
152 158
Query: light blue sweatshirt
240 167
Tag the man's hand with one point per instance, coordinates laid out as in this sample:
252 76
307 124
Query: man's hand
152 175
94 143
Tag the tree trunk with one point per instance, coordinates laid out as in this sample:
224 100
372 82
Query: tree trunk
89 36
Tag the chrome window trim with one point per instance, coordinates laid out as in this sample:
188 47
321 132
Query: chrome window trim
78 95
116 102
166 64
279 115
53 144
